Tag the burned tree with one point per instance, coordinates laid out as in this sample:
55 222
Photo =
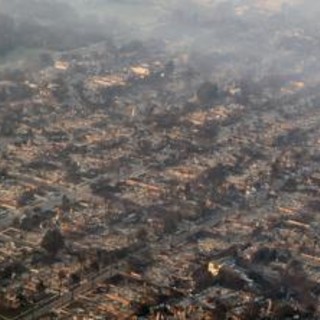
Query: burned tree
8 125
207 92
53 241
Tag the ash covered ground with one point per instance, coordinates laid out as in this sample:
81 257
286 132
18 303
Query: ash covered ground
159 159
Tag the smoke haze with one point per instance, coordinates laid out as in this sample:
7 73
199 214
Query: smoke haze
221 39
